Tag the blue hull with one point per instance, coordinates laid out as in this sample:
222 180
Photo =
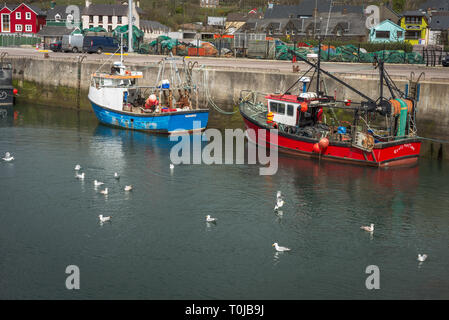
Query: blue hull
179 121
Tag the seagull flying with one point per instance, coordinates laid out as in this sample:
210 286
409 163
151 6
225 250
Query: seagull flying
105 191
422 257
8 157
98 183
80 176
369 229
128 188
104 219
279 248
209 219
77 167
116 175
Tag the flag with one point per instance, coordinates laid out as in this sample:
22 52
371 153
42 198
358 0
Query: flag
253 11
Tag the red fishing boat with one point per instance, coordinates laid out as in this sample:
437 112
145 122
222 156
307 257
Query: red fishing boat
381 133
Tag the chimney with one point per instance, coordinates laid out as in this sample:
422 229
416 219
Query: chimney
88 3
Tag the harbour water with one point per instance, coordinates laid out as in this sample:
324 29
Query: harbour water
158 244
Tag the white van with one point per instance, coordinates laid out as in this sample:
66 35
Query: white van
72 43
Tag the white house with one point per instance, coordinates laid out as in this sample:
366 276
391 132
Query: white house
109 16
153 29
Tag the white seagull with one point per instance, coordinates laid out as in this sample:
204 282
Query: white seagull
104 219
369 229
8 157
209 219
105 191
116 175
98 183
279 248
128 188
422 257
80 176
77 167
172 166
279 204
279 195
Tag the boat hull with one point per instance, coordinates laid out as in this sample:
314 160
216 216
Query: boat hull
404 152
168 122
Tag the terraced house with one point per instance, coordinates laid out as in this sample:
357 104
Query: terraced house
415 24
21 18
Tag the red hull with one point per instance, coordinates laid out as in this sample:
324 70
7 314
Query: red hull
388 154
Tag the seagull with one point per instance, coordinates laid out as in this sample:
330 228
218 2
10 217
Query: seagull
128 188
279 195
105 191
279 248
80 176
98 183
209 219
279 204
172 166
104 219
8 157
77 167
422 257
369 229
116 175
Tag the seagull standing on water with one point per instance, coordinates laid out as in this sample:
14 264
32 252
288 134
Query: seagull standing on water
279 204
279 248
8 157
116 175
104 219
80 176
128 188
369 229
105 191
209 219
77 167
422 257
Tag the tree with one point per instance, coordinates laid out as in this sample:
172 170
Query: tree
398 5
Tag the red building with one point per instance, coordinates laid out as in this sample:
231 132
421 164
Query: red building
21 18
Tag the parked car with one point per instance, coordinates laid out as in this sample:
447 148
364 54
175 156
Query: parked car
55 46
100 44
72 43
445 61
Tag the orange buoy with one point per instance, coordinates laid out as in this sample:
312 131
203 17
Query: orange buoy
324 143
15 91
304 107
316 148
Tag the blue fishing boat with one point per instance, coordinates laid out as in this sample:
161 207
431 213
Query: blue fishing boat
166 107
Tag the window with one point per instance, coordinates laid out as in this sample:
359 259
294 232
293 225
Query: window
290 110
28 15
28 28
18 16
281 108
273 107
18 27
399 34
383 34
412 35
119 19
91 19
57 17
109 19
100 19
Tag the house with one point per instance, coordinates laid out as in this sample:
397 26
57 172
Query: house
235 20
21 18
439 28
51 34
415 24
109 16
435 5
209 3
153 29
57 16
386 31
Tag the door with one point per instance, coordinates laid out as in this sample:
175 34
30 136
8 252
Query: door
5 23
